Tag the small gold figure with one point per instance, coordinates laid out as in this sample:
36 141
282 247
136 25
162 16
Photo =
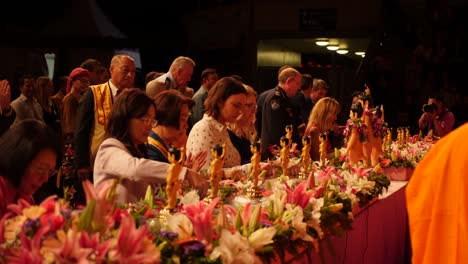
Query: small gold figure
176 158
216 168
305 155
407 134
323 148
256 149
284 154
389 139
289 133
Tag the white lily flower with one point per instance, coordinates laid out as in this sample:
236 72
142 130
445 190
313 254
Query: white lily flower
262 237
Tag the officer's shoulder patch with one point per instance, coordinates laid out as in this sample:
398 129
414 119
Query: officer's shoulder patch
275 104
167 83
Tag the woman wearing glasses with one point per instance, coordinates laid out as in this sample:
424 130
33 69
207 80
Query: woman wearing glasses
242 132
28 158
123 154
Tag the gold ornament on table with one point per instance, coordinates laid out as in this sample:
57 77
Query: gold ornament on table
407 134
256 149
216 169
354 148
176 158
289 134
399 137
284 154
305 157
323 137
389 139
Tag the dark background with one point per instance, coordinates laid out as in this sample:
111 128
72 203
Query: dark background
407 58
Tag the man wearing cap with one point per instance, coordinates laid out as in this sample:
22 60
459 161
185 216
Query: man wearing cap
94 110
179 75
78 82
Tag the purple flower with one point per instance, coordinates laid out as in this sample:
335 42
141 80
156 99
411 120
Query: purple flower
168 234
194 248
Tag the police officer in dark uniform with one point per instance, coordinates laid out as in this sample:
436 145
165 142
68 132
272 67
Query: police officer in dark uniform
278 111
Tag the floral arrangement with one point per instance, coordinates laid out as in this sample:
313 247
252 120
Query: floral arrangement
290 218
379 126
361 128
406 155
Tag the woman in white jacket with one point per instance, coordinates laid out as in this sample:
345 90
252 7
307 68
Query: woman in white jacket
123 155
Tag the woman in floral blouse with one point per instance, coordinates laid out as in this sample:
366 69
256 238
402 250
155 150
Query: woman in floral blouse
224 104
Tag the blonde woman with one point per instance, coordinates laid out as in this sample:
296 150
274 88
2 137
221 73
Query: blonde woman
322 119
242 132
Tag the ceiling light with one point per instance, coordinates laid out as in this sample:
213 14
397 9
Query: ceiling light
332 47
360 53
322 42
342 51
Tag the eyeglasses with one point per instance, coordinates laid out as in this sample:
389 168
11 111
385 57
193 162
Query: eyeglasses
251 106
237 105
149 121
43 171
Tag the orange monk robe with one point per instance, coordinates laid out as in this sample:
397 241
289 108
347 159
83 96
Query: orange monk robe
437 200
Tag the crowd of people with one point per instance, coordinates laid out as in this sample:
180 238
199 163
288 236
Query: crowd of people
108 129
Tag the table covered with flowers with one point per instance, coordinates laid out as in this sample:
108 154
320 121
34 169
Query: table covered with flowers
340 213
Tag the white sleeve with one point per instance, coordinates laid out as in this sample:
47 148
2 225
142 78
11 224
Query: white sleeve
114 161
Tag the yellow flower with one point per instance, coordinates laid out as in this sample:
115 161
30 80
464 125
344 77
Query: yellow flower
33 212
13 227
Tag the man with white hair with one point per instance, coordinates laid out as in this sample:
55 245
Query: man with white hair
177 77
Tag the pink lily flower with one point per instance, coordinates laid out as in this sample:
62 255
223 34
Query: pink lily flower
133 245
201 216
361 171
102 215
100 249
299 196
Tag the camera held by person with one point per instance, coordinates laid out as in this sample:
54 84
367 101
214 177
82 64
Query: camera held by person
436 117
429 108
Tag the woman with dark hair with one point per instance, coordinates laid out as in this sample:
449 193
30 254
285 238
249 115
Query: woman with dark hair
224 104
30 152
123 153
172 113
242 132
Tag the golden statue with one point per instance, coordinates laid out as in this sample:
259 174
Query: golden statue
256 149
284 154
407 134
389 139
354 148
323 137
289 134
176 158
305 155
216 168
